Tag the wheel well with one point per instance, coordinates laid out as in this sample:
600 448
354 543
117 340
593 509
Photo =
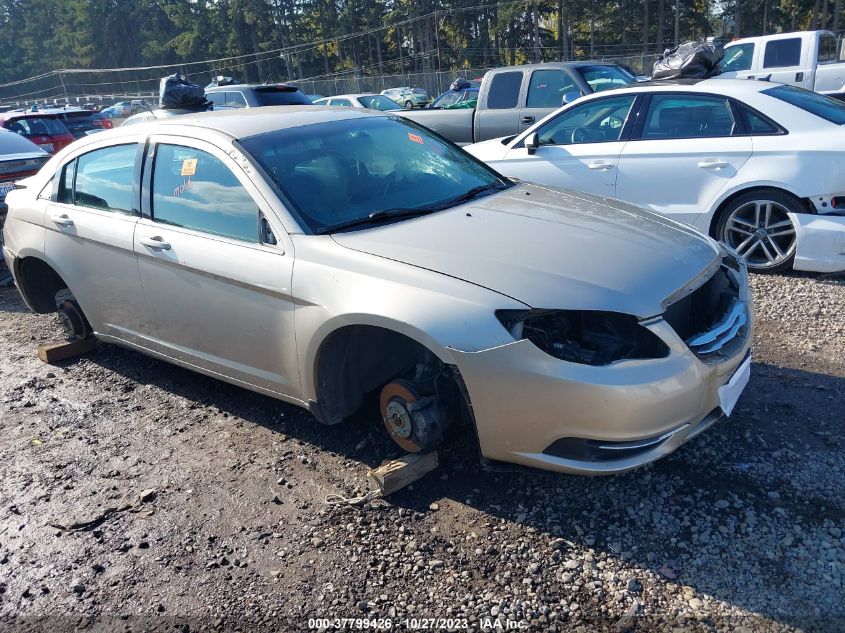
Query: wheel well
354 361
714 221
39 283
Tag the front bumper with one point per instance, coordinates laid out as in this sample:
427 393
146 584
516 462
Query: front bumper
820 242
529 406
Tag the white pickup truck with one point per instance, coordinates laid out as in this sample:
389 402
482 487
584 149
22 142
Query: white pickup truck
809 59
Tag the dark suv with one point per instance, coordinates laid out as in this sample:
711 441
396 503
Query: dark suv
255 95
80 121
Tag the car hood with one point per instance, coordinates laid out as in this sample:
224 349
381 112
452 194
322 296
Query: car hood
493 149
551 248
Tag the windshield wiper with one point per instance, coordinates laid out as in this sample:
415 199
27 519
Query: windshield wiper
409 212
378 216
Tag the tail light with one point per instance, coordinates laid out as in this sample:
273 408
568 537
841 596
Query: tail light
106 124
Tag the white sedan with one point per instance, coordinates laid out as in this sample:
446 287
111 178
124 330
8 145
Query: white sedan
365 100
757 165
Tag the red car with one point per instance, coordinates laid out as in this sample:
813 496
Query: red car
45 130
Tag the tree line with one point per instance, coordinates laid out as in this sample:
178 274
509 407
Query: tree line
325 37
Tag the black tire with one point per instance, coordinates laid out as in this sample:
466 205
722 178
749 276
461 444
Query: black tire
757 226
409 105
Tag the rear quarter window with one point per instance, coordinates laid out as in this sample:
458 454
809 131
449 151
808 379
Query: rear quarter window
271 96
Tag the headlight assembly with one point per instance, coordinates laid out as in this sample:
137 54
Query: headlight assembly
588 337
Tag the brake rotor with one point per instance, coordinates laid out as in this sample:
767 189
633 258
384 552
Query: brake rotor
395 399
72 320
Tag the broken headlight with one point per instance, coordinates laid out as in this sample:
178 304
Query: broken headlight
588 337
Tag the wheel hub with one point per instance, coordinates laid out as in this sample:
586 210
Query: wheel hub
398 420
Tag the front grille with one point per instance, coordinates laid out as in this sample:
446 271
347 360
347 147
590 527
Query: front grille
713 319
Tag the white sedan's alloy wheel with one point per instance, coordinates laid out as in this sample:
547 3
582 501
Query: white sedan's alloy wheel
761 232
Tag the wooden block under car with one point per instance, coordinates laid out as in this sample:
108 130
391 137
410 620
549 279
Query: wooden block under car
54 352
398 473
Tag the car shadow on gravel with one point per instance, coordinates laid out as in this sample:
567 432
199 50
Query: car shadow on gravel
744 514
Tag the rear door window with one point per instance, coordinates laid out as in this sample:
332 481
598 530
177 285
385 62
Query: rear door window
688 116
235 100
504 90
196 190
548 87
105 178
782 53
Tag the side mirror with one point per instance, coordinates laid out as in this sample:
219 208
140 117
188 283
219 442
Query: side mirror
571 96
532 143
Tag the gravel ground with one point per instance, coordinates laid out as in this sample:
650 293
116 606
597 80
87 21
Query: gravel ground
139 496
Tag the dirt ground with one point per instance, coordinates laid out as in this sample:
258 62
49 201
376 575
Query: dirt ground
139 496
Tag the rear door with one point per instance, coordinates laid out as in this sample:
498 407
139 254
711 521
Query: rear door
545 93
788 60
90 224
216 266
578 149
497 113
682 154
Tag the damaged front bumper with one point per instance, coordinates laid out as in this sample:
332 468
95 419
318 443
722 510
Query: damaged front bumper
820 242
536 410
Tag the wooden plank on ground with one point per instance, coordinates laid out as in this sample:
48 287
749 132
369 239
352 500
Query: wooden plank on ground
395 474
60 350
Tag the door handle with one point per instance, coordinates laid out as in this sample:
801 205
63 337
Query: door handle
799 76
61 220
156 243
713 164
527 120
600 166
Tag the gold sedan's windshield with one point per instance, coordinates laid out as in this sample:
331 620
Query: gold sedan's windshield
340 172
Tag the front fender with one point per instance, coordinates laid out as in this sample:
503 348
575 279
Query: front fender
335 287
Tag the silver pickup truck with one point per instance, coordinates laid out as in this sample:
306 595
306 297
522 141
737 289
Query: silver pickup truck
512 99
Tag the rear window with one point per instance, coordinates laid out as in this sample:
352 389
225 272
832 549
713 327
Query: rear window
280 95
504 90
601 77
824 107
783 53
827 49
37 126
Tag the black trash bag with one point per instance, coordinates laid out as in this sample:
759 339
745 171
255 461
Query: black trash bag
692 60
177 92
460 84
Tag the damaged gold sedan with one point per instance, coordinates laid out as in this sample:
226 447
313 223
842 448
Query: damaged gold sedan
322 256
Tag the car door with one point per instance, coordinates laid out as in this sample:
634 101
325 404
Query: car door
90 225
738 61
577 149
682 154
499 114
788 61
216 266
548 89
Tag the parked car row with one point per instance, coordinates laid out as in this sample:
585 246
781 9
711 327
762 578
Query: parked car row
481 288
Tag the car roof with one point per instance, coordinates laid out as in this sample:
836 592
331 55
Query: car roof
556 65
240 86
246 122
25 114
355 95
774 36
726 87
